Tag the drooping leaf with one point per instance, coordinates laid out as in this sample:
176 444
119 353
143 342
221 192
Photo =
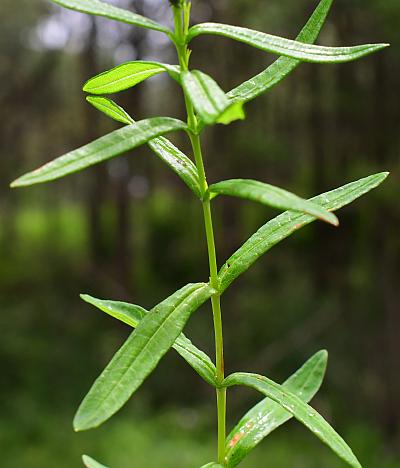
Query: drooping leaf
276 72
288 48
287 223
91 463
162 147
299 409
210 102
106 147
132 314
110 108
268 415
126 76
99 8
272 196
139 355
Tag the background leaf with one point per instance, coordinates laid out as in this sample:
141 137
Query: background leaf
300 410
106 147
276 72
287 223
139 355
132 314
91 463
98 8
126 76
272 196
281 46
267 415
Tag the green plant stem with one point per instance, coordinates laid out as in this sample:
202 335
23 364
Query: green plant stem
181 18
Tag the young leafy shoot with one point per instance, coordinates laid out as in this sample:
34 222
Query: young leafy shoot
107 147
289 222
288 48
91 463
276 72
99 8
210 102
139 355
271 196
127 75
110 108
268 415
299 409
132 314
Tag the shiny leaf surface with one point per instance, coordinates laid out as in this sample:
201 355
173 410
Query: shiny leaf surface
210 102
289 222
299 409
99 8
91 463
132 314
139 355
272 196
126 76
267 415
276 72
288 48
115 143
110 108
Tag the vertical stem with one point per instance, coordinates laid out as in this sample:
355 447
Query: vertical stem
181 17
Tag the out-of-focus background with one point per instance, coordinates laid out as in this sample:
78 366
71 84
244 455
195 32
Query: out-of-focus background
130 230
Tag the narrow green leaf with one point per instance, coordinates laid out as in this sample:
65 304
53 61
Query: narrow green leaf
299 409
162 147
271 196
139 355
98 8
91 463
212 465
276 72
210 102
287 223
110 108
133 314
267 415
126 76
115 143
281 46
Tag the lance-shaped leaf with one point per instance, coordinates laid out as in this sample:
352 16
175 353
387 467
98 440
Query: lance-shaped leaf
299 409
288 48
212 465
268 415
210 102
284 65
272 196
287 223
110 108
89 462
132 315
99 8
115 143
139 355
126 76
162 147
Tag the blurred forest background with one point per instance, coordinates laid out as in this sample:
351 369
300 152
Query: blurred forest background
129 230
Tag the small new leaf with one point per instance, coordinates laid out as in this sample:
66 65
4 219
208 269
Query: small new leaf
91 463
271 196
267 415
126 76
99 8
281 46
115 143
289 222
299 409
132 315
210 102
110 108
139 355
